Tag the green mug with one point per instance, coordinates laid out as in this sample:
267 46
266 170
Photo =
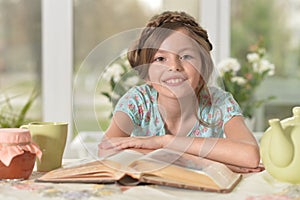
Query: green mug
51 137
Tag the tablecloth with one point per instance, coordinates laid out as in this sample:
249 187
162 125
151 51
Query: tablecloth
256 186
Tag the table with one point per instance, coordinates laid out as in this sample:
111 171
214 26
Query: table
256 186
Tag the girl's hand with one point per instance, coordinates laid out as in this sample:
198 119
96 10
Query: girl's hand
112 145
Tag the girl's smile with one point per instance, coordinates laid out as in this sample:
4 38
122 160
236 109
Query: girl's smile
175 80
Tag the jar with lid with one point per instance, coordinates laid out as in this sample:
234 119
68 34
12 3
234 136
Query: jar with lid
17 153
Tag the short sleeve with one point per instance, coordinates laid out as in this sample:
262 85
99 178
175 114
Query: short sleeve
131 104
228 105
231 109
140 104
216 108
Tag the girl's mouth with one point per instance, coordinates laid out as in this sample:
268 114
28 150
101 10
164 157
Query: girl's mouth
174 81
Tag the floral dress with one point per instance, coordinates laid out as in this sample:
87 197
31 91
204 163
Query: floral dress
140 104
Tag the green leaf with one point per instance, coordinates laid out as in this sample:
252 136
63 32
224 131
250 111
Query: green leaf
106 94
21 117
8 116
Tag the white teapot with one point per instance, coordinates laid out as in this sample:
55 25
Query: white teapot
280 148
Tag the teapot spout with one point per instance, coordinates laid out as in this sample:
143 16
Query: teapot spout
281 150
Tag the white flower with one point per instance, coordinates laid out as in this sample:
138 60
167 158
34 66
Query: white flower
264 65
271 72
115 95
123 55
131 81
239 80
113 72
230 64
252 57
126 62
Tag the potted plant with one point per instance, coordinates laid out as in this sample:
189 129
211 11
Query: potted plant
10 116
243 80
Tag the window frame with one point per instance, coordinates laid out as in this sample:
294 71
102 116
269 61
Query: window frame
57 61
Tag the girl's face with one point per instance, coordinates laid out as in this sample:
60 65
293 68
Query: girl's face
175 68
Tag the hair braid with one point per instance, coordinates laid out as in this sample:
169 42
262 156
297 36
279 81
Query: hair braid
183 18
165 20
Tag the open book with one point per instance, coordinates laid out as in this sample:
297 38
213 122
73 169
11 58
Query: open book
161 167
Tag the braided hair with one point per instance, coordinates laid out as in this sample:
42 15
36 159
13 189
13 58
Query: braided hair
185 20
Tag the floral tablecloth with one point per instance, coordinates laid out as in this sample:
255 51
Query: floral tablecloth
258 186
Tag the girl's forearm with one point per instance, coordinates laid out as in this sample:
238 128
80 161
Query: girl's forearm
220 149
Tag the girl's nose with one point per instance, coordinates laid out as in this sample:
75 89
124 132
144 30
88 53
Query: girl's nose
175 65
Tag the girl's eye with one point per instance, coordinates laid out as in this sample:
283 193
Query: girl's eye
159 59
186 57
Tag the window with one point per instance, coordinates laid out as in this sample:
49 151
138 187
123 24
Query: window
20 56
277 23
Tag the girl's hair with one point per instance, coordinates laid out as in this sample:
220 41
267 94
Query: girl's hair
141 53
158 29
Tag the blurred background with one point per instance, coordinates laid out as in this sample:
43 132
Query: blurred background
24 65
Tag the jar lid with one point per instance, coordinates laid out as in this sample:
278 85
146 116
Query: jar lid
12 136
13 142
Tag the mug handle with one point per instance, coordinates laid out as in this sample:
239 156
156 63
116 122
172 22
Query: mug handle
24 126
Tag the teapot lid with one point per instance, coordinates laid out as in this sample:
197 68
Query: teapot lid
296 111
294 120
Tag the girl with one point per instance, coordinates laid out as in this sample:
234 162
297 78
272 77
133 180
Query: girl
177 108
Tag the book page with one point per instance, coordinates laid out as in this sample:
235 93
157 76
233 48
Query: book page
187 165
219 172
185 160
105 169
84 170
125 157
